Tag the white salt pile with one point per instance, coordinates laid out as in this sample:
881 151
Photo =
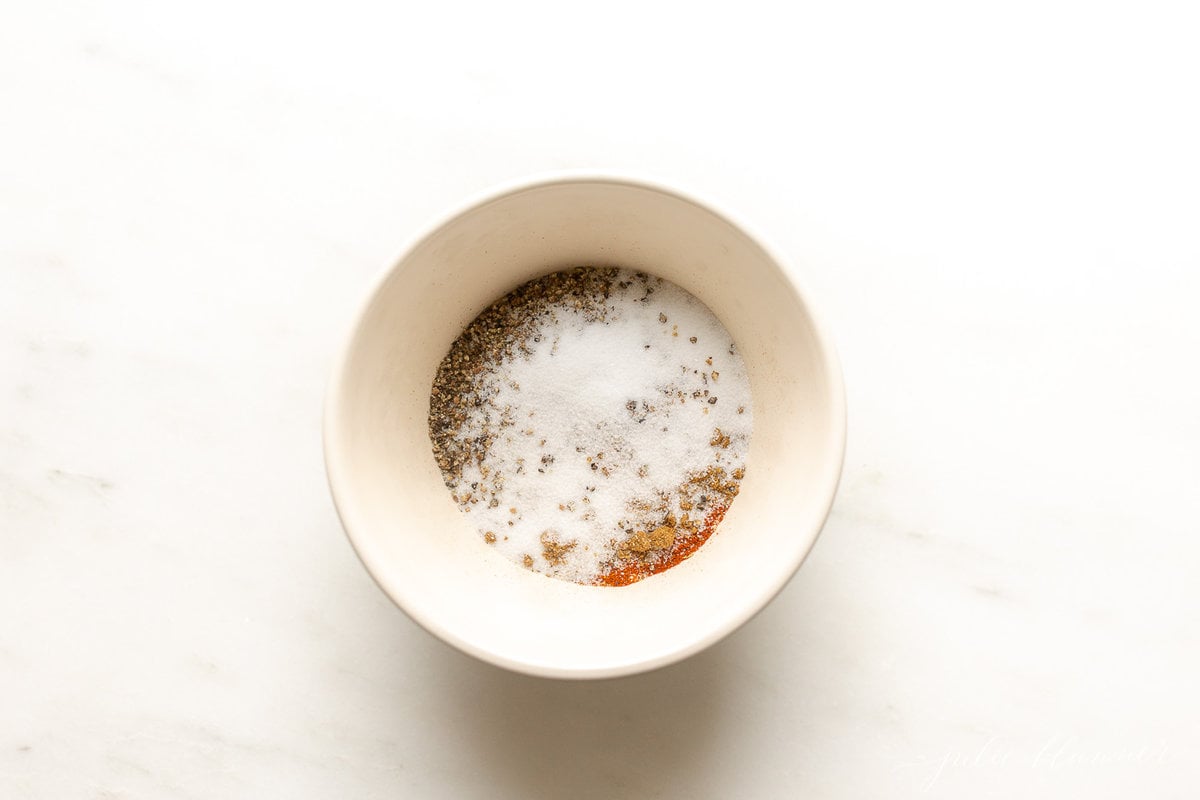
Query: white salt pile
599 424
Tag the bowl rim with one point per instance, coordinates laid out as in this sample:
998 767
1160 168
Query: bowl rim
336 475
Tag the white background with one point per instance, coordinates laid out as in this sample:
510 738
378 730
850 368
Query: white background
996 206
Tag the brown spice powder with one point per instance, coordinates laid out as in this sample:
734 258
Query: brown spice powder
554 551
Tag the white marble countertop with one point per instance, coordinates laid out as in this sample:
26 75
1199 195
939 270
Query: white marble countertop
996 210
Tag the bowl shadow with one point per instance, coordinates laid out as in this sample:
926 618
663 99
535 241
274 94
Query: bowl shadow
623 737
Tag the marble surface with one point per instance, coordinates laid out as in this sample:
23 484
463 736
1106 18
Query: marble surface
997 208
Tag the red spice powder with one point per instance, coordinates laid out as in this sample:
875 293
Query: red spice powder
681 550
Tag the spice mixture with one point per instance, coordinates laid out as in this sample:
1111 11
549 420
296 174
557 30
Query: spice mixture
594 423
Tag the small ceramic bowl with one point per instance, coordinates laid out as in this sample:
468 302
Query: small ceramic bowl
422 550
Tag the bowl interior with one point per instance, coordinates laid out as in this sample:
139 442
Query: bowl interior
423 551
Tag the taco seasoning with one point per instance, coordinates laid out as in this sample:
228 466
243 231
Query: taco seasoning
593 424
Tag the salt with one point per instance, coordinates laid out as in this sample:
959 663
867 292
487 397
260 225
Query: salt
603 420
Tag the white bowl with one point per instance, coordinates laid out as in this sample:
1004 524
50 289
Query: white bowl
422 550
